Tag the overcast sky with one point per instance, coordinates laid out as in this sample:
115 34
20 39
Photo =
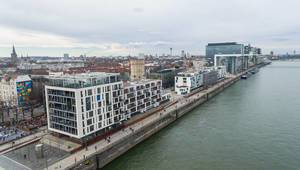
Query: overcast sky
122 27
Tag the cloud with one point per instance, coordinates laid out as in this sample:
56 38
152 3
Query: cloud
149 26
138 10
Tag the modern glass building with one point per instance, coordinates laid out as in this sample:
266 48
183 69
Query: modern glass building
222 48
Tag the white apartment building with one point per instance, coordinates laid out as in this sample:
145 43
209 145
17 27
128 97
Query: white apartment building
82 104
15 90
185 82
141 96
221 71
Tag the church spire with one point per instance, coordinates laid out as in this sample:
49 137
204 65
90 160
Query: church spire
14 50
14 56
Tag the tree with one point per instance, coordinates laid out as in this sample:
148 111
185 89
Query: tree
2 111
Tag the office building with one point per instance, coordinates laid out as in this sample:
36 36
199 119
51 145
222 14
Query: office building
167 76
66 55
222 48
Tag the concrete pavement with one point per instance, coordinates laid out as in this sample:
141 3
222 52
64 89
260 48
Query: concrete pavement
22 141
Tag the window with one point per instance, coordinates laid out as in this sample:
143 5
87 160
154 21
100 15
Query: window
89 122
88 103
91 114
90 92
92 128
98 97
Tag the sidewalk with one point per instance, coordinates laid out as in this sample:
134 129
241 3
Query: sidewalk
19 142
102 145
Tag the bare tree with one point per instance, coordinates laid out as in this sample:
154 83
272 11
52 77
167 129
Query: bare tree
2 111
32 103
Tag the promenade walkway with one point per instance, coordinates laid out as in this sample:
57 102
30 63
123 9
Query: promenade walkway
102 145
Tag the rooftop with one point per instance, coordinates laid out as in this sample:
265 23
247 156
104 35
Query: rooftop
18 161
83 80
140 82
17 78
220 44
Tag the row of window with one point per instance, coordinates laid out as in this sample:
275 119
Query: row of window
91 126
64 128
100 90
61 93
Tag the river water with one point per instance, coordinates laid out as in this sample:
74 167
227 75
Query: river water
254 124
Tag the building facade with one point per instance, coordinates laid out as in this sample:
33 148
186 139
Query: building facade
141 96
85 104
167 76
186 82
82 104
222 48
16 90
137 69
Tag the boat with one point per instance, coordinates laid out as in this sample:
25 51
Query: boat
244 76
254 70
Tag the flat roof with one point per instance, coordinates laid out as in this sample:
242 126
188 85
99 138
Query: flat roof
15 159
224 43
83 80
139 82
82 76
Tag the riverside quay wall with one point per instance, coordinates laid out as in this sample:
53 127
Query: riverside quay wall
179 108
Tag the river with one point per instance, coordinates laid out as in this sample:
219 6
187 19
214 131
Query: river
254 124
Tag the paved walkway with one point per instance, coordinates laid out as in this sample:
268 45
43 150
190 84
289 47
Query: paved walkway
20 142
102 145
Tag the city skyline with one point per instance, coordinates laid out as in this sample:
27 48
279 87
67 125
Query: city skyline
52 28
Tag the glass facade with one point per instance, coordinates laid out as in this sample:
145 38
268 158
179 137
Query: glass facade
62 111
222 48
84 80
